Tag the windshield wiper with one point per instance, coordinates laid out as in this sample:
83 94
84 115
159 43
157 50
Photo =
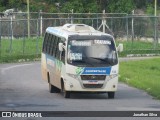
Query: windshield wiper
89 63
83 61
99 59
104 60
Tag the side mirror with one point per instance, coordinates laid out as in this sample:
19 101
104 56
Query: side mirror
120 47
60 46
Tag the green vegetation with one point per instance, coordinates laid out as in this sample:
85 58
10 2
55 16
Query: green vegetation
29 49
139 47
24 49
143 74
139 52
130 72
120 6
91 6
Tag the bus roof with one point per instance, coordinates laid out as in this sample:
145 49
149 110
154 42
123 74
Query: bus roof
74 29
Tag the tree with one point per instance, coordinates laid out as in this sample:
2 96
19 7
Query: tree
3 5
80 6
120 6
102 4
150 9
76 5
140 3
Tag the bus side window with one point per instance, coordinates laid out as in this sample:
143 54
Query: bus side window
45 43
51 45
43 49
54 45
63 56
57 49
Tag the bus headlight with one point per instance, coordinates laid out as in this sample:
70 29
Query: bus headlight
73 76
111 76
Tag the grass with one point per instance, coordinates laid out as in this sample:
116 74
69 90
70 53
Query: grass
139 47
26 49
143 74
12 51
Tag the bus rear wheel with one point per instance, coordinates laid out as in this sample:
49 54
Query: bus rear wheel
53 89
65 93
111 95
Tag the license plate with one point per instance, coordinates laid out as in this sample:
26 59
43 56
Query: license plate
92 82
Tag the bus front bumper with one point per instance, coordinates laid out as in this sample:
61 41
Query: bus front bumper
72 84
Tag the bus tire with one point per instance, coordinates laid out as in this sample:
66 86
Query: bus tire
53 89
65 93
111 95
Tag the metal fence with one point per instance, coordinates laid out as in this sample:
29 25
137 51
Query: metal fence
130 29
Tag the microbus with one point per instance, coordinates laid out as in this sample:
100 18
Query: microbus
78 58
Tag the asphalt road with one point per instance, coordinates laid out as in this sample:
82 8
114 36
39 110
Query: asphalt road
22 89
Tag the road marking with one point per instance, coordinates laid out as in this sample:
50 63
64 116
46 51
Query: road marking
130 108
3 70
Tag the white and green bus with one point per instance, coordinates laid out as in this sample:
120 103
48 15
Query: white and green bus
78 58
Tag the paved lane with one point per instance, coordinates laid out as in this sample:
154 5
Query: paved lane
22 88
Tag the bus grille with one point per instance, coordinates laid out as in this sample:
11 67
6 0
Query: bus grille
92 85
93 77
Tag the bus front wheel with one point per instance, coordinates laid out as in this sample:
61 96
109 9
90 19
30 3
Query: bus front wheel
111 95
65 93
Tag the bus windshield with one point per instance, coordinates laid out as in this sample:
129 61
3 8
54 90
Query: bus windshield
91 53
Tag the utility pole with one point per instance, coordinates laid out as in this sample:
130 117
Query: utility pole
72 16
28 18
155 24
132 26
155 8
